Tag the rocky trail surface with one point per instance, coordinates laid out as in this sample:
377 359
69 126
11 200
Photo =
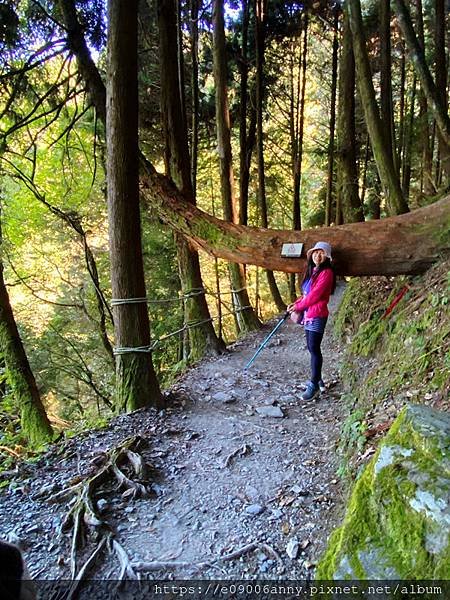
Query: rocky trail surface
238 483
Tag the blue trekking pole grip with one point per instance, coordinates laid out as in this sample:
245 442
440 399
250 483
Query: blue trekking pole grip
271 334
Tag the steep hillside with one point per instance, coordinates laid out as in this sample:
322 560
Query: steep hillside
397 376
397 337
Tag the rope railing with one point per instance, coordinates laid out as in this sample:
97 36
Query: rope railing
151 347
189 294
119 350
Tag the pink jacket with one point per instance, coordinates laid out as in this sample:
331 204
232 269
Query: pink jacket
315 303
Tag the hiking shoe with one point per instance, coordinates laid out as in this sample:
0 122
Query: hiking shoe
321 385
311 391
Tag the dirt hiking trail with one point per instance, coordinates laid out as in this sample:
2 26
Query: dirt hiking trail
242 474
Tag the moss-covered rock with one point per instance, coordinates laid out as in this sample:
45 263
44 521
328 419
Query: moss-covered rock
397 524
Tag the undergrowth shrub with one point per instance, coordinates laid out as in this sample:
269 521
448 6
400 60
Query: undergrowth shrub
393 357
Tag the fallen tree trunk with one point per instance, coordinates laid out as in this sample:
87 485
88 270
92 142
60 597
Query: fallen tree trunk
406 244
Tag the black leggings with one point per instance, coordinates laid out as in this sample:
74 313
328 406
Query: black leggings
313 341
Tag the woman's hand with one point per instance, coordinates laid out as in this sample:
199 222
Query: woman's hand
291 308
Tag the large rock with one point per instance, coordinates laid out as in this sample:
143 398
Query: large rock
397 524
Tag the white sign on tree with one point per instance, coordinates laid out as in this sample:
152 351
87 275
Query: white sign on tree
292 250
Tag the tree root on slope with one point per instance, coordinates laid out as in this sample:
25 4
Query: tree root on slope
83 514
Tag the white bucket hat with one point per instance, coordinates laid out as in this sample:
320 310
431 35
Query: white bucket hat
325 246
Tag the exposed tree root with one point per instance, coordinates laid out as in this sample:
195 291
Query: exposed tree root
83 513
158 565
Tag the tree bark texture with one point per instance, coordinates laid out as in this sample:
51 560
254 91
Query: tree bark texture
347 172
427 160
300 119
95 88
383 156
244 147
245 315
202 336
260 7
408 135
331 144
441 78
33 418
409 243
136 382
195 93
387 111
423 73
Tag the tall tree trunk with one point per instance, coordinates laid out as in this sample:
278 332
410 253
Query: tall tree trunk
244 163
440 65
136 383
294 103
33 418
423 73
194 92
401 127
331 144
427 159
349 203
298 157
406 171
383 156
259 43
246 317
387 112
202 337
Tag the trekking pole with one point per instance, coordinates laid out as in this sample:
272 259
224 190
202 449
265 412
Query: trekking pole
278 325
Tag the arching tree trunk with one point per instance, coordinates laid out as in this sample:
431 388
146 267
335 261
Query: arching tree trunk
245 315
136 383
349 203
382 153
408 243
201 334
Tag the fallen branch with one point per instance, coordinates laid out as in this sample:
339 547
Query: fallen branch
158 565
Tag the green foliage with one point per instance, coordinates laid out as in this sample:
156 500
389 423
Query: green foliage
369 334
409 349
352 438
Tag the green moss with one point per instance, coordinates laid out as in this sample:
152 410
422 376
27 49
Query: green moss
412 343
215 235
380 520
355 529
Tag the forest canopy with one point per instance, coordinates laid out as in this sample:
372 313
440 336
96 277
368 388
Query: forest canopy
134 137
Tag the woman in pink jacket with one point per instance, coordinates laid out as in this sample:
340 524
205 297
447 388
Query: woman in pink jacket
318 284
